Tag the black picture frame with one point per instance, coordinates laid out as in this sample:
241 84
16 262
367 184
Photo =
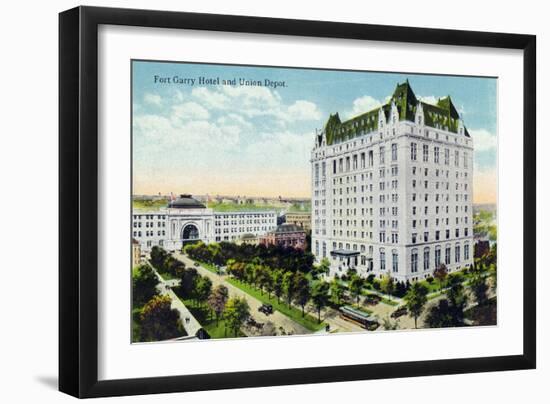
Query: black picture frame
78 196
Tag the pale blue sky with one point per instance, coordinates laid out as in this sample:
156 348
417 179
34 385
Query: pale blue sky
195 138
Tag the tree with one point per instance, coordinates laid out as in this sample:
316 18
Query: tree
416 299
440 273
144 285
288 286
187 281
448 312
267 282
236 312
203 288
336 291
302 290
278 284
158 255
479 288
319 297
387 285
323 268
159 321
356 285
217 300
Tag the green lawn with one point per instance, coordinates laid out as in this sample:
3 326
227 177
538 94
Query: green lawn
236 207
167 276
208 266
208 322
308 321
149 204
388 301
135 324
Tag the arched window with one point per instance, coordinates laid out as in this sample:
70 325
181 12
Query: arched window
414 260
395 261
382 260
426 258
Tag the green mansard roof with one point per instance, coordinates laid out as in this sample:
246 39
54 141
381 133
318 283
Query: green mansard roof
441 115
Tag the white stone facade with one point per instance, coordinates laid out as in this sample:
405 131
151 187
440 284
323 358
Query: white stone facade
171 227
396 199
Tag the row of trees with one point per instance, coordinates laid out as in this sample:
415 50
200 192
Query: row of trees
293 287
166 263
287 258
153 315
449 311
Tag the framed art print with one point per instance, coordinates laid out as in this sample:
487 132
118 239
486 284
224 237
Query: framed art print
241 194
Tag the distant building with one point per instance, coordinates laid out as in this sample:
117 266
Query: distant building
186 219
248 238
136 252
300 219
285 235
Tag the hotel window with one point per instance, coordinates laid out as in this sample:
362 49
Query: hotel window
394 151
382 260
466 251
413 238
395 261
382 152
334 166
426 258
425 153
447 255
457 253
413 151
362 160
426 236
371 158
437 256
447 157
414 260
456 158
465 160
436 155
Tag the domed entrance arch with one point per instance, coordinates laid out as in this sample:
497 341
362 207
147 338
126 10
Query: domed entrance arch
190 232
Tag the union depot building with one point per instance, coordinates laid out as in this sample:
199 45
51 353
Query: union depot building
186 219
392 189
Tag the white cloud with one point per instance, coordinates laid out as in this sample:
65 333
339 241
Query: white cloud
483 139
303 110
153 99
190 110
212 99
361 105
428 99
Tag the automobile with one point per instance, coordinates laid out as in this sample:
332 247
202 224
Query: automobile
401 311
267 309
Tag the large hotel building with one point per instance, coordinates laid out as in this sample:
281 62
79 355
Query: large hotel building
392 189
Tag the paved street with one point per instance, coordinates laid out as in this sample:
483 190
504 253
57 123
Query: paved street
190 323
277 318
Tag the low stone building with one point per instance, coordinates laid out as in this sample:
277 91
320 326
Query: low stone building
136 253
285 235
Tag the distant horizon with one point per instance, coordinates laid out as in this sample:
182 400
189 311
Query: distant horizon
252 196
258 140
